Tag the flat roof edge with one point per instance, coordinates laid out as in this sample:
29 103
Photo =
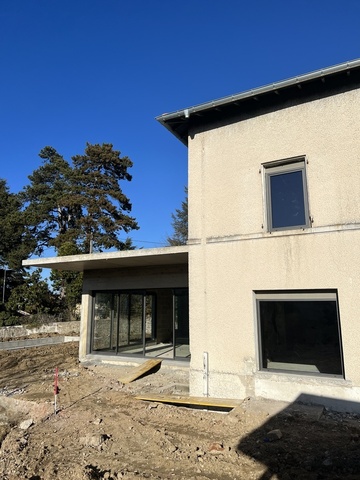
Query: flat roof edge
121 253
71 261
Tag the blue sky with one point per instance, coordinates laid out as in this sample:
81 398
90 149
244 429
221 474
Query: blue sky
77 71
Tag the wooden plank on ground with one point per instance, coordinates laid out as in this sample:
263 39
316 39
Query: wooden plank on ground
189 401
140 370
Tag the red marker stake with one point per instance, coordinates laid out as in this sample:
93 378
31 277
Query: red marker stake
56 387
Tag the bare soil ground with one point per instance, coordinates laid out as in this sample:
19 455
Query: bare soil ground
101 431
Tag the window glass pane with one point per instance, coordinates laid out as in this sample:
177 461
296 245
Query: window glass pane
300 336
287 200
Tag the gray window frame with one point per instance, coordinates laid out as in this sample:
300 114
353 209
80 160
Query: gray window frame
285 166
296 295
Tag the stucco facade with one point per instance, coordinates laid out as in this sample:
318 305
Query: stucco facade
232 254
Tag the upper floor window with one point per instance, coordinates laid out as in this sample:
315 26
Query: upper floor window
286 195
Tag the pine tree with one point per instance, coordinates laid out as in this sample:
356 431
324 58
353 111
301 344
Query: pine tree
80 203
180 224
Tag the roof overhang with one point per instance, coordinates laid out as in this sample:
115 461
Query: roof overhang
302 87
122 259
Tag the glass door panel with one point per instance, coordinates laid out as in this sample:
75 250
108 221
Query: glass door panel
149 318
123 337
136 319
103 320
154 341
181 323
130 337
114 322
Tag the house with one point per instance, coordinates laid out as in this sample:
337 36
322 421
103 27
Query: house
266 294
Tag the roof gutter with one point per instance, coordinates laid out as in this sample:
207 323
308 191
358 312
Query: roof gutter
181 115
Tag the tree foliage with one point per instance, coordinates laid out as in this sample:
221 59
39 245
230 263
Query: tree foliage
105 208
50 212
15 244
68 284
180 224
73 207
81 203
32 296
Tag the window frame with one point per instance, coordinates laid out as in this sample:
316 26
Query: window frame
296 295
285 166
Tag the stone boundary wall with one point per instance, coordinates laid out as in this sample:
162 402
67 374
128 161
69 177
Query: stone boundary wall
36 342
61 328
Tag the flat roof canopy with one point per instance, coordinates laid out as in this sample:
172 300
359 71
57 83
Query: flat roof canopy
121 259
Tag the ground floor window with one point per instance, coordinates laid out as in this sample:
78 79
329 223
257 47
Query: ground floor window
152 323
300 332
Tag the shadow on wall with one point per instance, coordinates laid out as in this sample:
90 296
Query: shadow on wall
307 442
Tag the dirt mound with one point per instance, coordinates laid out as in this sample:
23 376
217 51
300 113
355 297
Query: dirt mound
102 432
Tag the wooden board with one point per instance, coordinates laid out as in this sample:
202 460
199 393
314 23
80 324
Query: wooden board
220 403
140 370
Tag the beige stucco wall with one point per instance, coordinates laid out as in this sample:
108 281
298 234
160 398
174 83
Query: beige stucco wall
232 255
226 188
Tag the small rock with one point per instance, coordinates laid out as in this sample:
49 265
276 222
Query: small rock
97 421
327 462
23 441
93 440
26 424
216 448
273 435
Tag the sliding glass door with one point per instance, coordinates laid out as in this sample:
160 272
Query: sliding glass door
146 323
